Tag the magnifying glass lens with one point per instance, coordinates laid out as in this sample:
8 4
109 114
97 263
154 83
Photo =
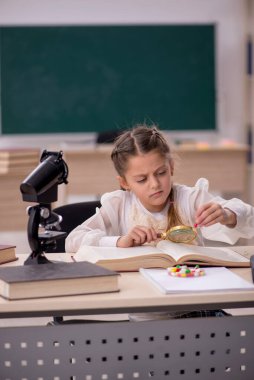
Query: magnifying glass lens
180 234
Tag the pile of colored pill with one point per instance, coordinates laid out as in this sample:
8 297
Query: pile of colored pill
184 271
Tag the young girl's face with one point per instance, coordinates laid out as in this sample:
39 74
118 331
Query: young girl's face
149 176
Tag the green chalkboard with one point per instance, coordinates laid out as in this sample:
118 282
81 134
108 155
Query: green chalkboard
98 78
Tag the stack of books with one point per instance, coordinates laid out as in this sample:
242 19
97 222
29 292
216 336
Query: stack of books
15 165
7 253
18 161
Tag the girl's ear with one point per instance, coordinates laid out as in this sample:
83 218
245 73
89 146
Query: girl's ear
122 182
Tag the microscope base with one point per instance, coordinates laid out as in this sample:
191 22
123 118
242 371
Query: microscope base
36 259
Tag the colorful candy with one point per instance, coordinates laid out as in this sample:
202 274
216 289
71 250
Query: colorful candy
184 271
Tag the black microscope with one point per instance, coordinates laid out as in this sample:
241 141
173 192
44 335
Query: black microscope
41 186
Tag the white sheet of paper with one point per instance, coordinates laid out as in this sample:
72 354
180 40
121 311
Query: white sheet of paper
215 279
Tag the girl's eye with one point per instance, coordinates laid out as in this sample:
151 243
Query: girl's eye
162 172
141 180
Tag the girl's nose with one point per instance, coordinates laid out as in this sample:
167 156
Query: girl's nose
154 182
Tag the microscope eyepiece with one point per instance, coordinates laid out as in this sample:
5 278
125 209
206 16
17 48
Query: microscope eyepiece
41 184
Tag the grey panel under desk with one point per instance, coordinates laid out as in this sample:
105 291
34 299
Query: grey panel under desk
208 348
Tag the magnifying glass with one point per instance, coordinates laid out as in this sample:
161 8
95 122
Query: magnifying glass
180 234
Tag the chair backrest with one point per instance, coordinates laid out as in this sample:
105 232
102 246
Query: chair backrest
73 214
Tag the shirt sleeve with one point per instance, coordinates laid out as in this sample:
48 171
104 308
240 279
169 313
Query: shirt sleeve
103 228
194 197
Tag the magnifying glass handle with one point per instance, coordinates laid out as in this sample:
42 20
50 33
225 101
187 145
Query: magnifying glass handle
161 235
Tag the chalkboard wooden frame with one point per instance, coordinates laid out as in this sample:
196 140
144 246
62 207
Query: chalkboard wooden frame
59 79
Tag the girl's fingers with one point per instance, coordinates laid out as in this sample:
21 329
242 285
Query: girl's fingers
137 237
141 235
202 209
212 213
212 221
151 235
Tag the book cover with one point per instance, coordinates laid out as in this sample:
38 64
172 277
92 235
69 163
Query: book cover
215 279
56 279
7 253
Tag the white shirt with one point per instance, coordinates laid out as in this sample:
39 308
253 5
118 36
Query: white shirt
121 210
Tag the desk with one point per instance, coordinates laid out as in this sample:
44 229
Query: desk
92 172
147 298
208 348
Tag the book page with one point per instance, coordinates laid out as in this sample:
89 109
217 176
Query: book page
246 251
177 251
215 279
94 253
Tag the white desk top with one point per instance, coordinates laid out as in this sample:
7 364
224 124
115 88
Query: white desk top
136 295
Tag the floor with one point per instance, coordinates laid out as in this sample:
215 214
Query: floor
19 238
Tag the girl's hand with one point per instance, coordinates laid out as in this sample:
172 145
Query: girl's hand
137 236
211 213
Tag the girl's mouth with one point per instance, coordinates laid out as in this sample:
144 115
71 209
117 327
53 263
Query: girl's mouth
157 194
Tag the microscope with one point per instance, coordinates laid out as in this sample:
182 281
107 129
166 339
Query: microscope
41 187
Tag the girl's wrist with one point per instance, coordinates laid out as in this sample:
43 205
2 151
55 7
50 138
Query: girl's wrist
118 242
230 218
123 242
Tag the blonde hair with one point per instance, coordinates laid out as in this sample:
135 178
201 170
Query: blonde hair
142 139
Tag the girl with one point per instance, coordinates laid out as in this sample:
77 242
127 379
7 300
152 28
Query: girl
150 203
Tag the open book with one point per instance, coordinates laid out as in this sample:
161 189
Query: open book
164 255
